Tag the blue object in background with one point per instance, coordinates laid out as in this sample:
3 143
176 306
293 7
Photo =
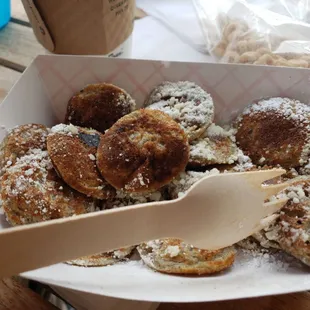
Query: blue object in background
5 12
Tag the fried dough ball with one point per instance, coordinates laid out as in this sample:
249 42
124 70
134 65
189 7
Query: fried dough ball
220 49
98 106
282 63
31 192
264 50
249 57
234 30
142 151
73 151
231 57
265 60
257 45
275 131
301 63
173 256
242 47
306 58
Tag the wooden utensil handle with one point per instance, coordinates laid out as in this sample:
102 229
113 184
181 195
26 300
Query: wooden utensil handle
33 246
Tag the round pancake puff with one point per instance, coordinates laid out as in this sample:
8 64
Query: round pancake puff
142 151
73 150
173 256
102 259
20 141
293 223
274 132
214 146
187 103
289 230
32 192
99 106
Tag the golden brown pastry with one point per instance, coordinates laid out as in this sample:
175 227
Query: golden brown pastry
142 151
292 229
98 106
289 228
102 259
20 141
293 234
175 257
274 132
187 103
73 151
31 192
215 146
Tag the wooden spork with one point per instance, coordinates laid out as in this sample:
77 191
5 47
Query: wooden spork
218 211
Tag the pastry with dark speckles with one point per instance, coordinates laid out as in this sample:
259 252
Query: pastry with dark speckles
73 152
31 192
187 103
143 151
275 131
176 257
99 106
20 141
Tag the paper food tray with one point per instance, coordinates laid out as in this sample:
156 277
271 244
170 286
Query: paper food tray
41 96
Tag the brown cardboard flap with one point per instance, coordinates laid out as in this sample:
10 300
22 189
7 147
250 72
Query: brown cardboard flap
82 27
39 28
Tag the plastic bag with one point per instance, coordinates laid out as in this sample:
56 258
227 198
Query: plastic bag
296 9
179 17
238 31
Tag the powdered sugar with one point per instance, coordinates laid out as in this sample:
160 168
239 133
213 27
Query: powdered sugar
125 101
186 103
262 259
92 157
298 191
305 170
289 108
122 253
215 146
20 141
123 199
181 184
172 250
289 230
65 129
244 163
38 159
31 192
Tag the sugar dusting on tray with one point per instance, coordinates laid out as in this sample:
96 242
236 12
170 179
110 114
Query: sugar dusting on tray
267 259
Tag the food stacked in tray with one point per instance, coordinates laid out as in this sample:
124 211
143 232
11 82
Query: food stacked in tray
108 154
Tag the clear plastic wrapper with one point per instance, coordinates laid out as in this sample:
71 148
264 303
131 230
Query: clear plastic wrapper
257 32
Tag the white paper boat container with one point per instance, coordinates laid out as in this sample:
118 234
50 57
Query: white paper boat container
41 96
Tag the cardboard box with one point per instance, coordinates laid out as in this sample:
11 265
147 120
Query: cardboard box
41 96
93 27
